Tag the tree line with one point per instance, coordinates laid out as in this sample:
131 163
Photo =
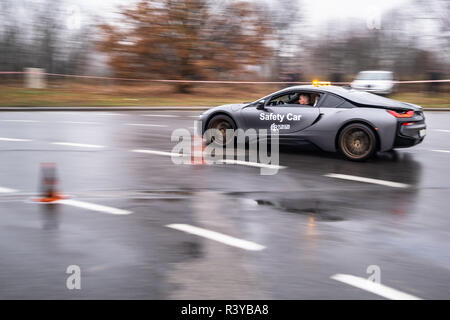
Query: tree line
220 40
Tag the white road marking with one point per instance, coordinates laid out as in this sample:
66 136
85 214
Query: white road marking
249 202
15 140
26 121
93 206
219 237
445 151
79 122
7 190
145 125
69 113
108 114
373 287
161 115
441 130
160 153
250 164
83 145
368 180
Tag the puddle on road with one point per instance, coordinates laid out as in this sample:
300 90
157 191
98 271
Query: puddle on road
184 193
319 209
192 249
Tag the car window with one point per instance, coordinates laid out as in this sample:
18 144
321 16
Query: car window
283 99
331 101
294 98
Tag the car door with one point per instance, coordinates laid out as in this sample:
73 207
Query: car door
281 114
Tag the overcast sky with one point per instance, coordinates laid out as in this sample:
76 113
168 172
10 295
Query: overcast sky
322 10
316 12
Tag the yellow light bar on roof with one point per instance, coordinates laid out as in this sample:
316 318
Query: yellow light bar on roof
321 83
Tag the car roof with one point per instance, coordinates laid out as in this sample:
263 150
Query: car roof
360 97
341 91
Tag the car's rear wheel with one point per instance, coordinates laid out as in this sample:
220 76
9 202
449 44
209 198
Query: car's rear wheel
220 124
357 142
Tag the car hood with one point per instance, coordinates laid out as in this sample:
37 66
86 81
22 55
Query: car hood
227 107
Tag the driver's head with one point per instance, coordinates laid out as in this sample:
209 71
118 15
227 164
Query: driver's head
303 99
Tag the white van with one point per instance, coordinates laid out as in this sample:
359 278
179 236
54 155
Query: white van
379 82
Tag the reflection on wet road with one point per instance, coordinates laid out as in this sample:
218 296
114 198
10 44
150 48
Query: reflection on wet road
189 230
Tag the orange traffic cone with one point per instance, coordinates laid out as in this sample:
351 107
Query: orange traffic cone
197 149
49 184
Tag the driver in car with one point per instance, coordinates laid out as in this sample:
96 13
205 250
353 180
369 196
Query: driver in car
304 99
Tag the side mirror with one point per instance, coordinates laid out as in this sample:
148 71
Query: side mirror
260 104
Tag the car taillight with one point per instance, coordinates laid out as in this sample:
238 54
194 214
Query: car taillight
407 123
405 114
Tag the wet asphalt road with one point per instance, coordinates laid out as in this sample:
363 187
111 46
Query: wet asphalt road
311 226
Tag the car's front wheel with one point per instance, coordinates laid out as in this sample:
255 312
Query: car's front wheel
218 130
357 142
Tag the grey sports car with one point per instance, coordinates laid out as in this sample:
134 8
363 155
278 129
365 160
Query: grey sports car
355 123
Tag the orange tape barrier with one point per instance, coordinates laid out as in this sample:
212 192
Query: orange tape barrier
198 81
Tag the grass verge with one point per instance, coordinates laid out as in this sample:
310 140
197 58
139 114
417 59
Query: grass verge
164 95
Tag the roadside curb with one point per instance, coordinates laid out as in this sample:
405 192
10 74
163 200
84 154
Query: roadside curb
131 108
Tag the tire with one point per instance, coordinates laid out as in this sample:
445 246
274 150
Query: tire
222 123
357 142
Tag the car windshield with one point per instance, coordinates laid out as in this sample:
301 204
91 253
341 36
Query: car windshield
374 76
